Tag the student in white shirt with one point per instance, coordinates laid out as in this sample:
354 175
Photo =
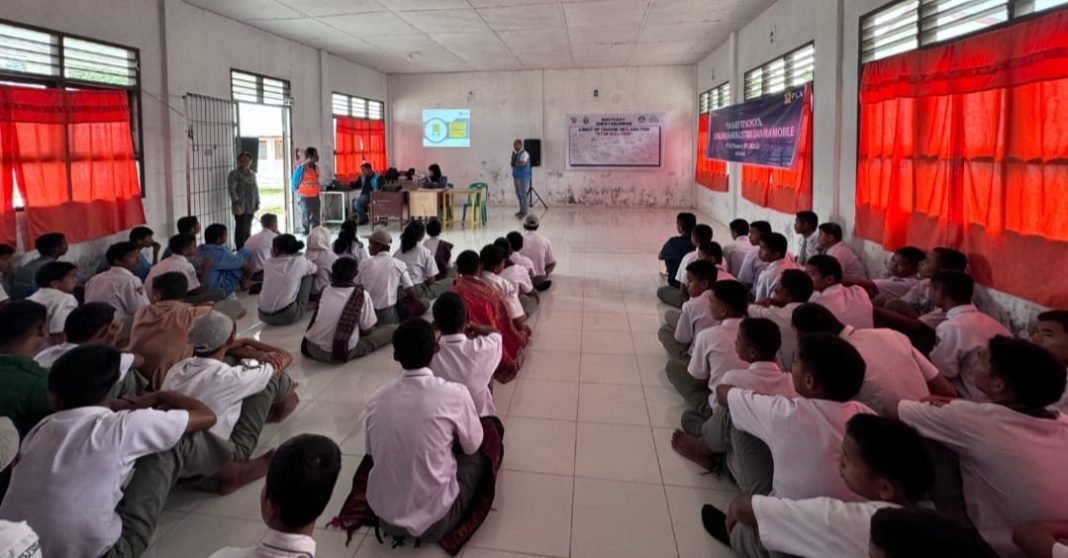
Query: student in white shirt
734 252
68 483
422 269
424 435
468 353
492 259
515 239
287 282
895 369
914 314
713 252
850 304
1012 449
808 243
540 251
7 265
1042 539
118 286
320 254
260 244
56 281
1051 333
793 289
343 326
712 354
240 396
677 334
903 269
917 531
300 481
830 241
881 460
773 252
752 265
348 245
965 331
181 247
442 249
382 275
518 275
700 235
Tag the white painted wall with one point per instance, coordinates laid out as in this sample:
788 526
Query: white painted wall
535 104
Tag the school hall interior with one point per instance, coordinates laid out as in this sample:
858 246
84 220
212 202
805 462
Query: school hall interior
533 278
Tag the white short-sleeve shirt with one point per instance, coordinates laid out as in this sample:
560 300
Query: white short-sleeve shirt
49 355
805 434
782 316
331 305
964 332
851 305
17 540
219 386
324 263
766 281
540 251
696 317
68 480
382 275
752 266
59 305
520 277
260 245
420 262
761 377
281 281
734 253
275 544
895 369
470 362
508 290
713 354
175 263
895 286
688 259
851 264
520 259
118 287
816 526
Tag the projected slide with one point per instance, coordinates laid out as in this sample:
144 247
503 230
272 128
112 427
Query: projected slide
446 128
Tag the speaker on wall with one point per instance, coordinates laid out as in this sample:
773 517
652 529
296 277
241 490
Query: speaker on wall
533 147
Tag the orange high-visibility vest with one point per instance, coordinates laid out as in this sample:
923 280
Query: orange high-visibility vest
309 182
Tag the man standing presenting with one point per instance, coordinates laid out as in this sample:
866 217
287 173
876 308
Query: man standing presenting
306 184
245 196
521 176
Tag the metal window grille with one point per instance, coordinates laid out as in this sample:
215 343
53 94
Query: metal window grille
790 70
254 88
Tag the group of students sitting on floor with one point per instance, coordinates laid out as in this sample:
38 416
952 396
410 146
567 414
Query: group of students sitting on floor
853 411
118 397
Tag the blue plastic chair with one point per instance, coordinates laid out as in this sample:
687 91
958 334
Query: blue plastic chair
478 204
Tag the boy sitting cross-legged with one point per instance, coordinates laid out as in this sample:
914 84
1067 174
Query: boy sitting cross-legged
793 289
468 353
734 252
678 333
56 282
23 383
850 304
904 268
344 325
774 252
1051 333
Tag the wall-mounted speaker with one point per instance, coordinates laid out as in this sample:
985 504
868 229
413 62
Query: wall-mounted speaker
533 147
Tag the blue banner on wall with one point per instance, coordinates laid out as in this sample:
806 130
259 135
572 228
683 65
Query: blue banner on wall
763 132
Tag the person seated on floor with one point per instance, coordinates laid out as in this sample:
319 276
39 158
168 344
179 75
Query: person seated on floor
712 354
183 247
160 329
916 302
518 275
1012 449
492 259
676 247
965 331
904 268
94 323
793 289
468 353
190 225
806 224
486 306
680 327
287 282
7 264
343 326
56 282
881 460
50 247
1051 333
515 239
347 245
734 252
17 539
68 483
422 268
917 532
320 253
24 393
300 481
142 237
118 286
713 252
383 276
228 271
424 434
830 241
260 244
539 249
441 249
775 252
700 235
850 304
1042 539
752 265
243 397
895 369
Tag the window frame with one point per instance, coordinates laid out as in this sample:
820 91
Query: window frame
261 97
789 72
349 99
713 99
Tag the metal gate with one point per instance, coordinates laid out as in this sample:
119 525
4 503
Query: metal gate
210 155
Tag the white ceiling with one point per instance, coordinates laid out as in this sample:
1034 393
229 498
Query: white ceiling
418 36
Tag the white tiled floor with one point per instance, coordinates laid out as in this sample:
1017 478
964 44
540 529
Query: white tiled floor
588 470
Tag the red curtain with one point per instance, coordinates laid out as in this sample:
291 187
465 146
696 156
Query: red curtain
966 145
785 190
71 153
710 173
357 140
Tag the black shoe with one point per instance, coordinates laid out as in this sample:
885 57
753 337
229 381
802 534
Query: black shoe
543 286
715 523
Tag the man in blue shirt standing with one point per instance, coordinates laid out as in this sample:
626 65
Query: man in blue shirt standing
521 177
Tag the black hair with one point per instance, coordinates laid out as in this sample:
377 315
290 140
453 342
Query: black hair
776 242
48 244
703 233
917 532
835 364
215 233
412 234
53 271
366 165
832 229
287 244
911 253
761 227
435 171
268 219
310 152
703 270
137 234
467 262
895 451
172 285
450 313
187 224
301 478
1058 316
686 222
1035 376
739 227
179 242
828 266
413 343
491 256
950 259
18 318
809 218
957 285
6 249
346 238
712 249
244 154
811 317
344 269
433 227
87 320
84 375
504 246
119 250
515 238
763 335
733 294
797 283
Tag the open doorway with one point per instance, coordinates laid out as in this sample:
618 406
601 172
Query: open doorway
264 132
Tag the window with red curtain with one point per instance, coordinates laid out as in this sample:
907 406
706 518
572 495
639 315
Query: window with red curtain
966 145
710 173
358 140
72 155
785 190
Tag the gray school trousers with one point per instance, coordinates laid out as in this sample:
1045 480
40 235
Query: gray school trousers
378 337
671 296
694 392
254 410
529 302
387 315
295 311
471 470
675 350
